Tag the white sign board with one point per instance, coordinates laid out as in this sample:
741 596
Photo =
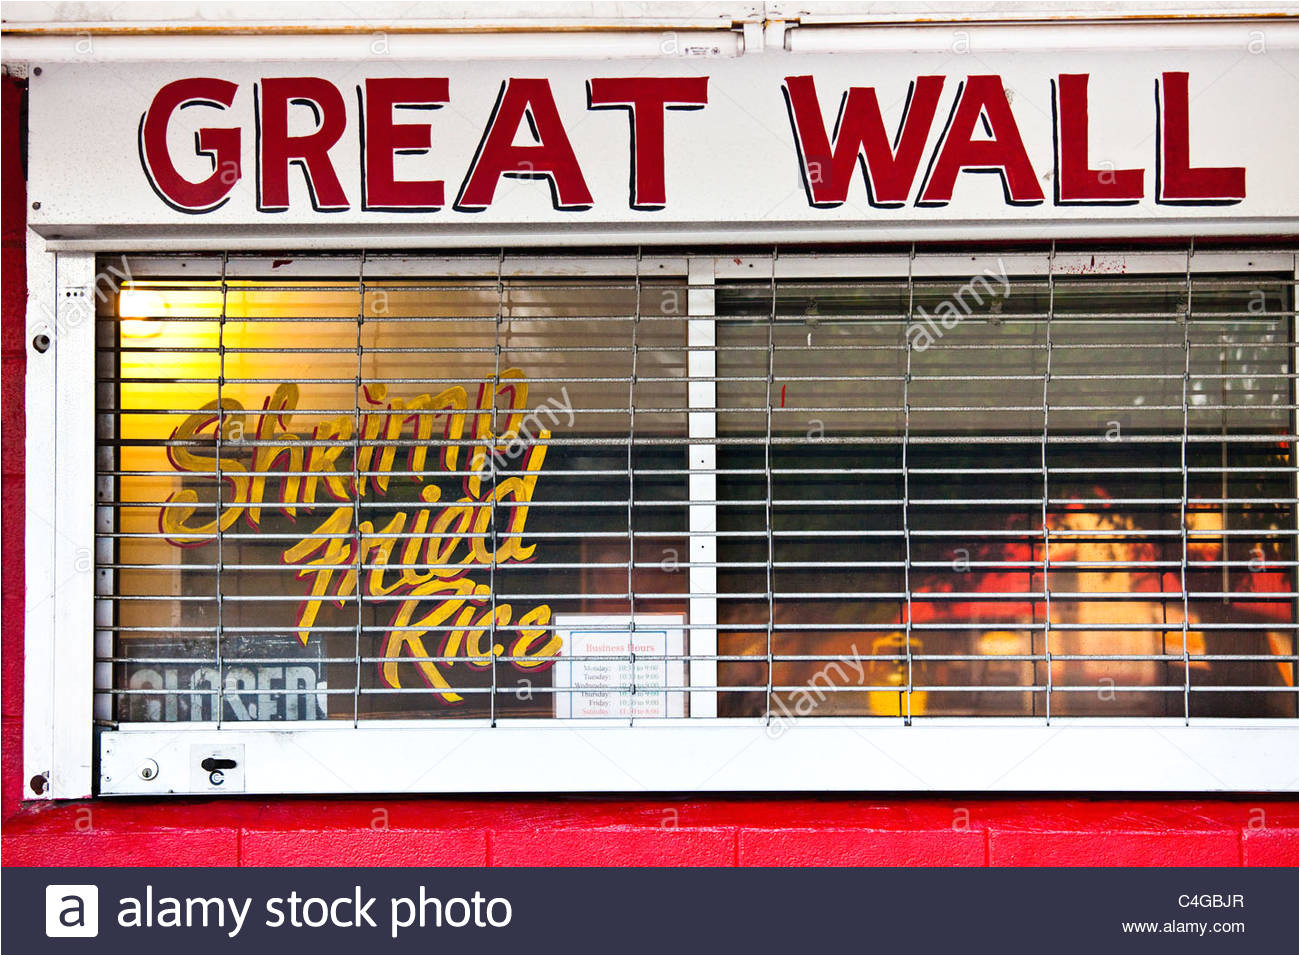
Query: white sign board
605 657
781 146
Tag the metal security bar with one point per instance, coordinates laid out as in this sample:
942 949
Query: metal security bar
639 487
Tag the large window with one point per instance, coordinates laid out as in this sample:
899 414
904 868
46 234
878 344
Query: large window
410 487
753 488
1070 495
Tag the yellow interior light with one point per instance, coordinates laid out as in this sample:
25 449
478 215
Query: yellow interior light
136 308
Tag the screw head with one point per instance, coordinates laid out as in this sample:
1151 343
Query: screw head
36 71
36 205
41 342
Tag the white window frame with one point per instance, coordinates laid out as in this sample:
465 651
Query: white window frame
702 753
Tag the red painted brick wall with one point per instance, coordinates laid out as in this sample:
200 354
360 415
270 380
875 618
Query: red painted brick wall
906 831
895 831
13 322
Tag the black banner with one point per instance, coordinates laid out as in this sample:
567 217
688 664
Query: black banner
597 910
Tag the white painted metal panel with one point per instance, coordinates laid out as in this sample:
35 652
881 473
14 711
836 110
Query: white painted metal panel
39 546
831 755
74 548
60 637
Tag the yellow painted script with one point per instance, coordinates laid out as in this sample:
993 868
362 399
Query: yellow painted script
423 553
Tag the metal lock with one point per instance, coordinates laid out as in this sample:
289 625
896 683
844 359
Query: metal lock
217 769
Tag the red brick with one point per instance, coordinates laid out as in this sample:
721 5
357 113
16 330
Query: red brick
100 847
13 316
363 847
11 742
1270 846
861 847
615 846
1101 847
1186 831
14 421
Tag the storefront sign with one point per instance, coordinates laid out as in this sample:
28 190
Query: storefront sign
780 142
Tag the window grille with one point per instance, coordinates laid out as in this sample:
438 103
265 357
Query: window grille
903 484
